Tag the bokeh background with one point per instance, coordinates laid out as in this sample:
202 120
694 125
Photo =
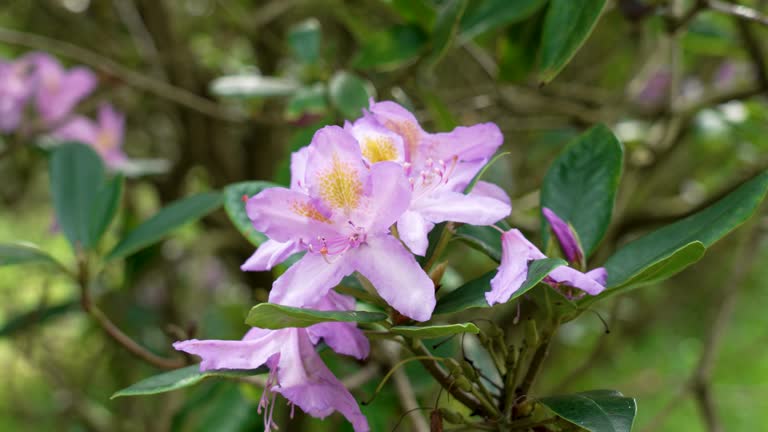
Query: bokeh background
685 94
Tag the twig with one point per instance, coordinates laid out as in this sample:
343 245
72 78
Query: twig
405 392
755 50
739 11
131 77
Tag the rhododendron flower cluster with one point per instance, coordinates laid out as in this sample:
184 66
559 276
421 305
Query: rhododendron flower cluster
363 199
37 94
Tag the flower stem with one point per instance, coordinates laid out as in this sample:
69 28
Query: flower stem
445 236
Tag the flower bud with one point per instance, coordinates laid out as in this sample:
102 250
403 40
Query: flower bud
452 416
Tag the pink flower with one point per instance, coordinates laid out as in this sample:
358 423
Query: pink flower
16 86
105 135
517 252
340 213
59 90
439 167
296 370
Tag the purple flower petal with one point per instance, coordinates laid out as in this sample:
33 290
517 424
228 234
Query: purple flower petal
310 279
455 206
398 278
299 168
574 278
599 275
270 254
412 229
249 353
344 338
377 143
389 197
516 252
569 244
288 215
469 143
400 121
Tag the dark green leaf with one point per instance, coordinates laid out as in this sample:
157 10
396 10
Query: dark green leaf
472 294
250 86
492 14
446 27
166 220
482 238
390 49
24 253
304 39
273 316
518 49
104 207
595 411
76 174
348 94
416 11
307 101
706 227
234 204
435 331
481 173
38 315
581 185
567 25
181 378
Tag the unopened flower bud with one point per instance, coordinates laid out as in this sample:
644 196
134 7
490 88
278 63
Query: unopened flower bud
463 383
468 370
452 416
531 333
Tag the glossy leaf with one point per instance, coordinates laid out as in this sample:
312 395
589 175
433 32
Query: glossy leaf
273 316
482 238
482 171
166 220
234 205
348 94
595 411
492 14
37 316
180 378
436 331
567 26
580 186
250 86
416 11
390 49
24 253
304 39
76 174
446 28
707 227
472 294
105 207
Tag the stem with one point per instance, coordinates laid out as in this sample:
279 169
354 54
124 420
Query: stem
430 364
83 280
534 367
445 236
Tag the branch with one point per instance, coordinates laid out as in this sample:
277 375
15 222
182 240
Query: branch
738 11
131 77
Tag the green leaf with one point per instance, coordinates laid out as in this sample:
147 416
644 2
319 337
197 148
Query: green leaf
595 411
180 378
472 294
416 11
446 27
76 174
492 14
166 220
234 205
38 315
273 316
309 100
104 207
581 185
390 49
517 49
348 93
304 39
675 240
485 239
567 26
24 253
481 173
436 331
252 86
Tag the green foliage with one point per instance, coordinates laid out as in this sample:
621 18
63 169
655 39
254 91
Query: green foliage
348 93
234 205
566 27
595 411
180 378
435 331
390 49
304 39
580 185
472 294
678 245
36 317
309 100
24 253
166 220
490 15
483 238
274 316
446 28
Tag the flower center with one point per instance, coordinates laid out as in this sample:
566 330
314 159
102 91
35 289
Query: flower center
340 186
379 149
434 174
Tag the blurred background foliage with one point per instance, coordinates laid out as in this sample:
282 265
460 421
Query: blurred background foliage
225 89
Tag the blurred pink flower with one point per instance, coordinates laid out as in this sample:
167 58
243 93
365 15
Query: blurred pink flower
105 135
58 89
16 86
